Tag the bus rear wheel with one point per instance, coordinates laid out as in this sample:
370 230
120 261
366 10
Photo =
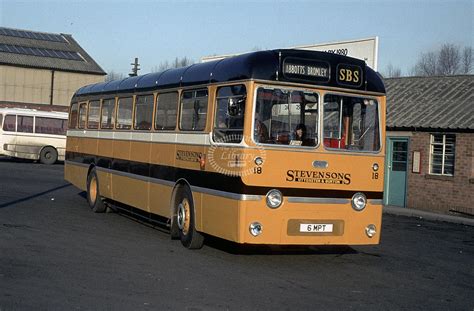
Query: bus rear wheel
186 220
48 155
94 198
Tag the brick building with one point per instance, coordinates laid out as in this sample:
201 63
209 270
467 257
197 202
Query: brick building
430 143
42 70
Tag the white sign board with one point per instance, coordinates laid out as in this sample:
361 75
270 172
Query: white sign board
365 49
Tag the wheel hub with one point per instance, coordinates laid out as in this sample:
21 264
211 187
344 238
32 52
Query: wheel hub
184 215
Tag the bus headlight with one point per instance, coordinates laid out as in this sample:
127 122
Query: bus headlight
274 198
255 228
370 230
359 201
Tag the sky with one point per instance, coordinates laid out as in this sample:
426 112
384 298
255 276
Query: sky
115 32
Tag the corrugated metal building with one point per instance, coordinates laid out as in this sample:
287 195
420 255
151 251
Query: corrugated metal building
42 70
430 143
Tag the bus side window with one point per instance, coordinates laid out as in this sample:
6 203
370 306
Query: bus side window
1 120
25 124
94 115
193 110
82 115
52 126
124 113
143 112
10 123
73 116
107 118
229 116
166 108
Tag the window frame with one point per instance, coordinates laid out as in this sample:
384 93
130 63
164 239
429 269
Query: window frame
181 109
134 112
79 125
117 108
112 124
443 154
157 106
70 125
89 113
379 120
216 111
16 123
319 93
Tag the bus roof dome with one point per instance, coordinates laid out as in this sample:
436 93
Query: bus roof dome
302 66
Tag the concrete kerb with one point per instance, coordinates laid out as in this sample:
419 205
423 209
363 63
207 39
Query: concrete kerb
410 212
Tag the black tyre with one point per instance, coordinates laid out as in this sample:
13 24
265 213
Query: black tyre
186 219
48 155
94 199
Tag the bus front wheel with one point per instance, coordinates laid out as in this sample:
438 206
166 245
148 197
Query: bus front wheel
94 199
48 155
186 220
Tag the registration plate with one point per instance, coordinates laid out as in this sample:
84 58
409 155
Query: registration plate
316 227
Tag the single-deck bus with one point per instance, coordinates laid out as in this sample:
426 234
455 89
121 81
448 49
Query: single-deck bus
33 134
270 147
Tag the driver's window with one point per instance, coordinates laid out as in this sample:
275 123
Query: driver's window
229 116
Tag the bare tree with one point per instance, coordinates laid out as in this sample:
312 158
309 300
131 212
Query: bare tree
466 60
392 72
426 65
112 75
176 63
449 60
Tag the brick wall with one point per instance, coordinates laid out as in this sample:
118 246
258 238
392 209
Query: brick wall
442 193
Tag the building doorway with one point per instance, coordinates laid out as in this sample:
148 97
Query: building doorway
396 171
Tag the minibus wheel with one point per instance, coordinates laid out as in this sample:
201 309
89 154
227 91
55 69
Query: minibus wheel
94 199
48 155
186 220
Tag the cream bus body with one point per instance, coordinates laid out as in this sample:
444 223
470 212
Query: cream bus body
33 134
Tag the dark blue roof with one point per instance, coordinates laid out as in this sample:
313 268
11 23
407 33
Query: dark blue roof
262 65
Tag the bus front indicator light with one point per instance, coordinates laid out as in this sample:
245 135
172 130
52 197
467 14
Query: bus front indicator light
255 228
370 230
274 198
359 201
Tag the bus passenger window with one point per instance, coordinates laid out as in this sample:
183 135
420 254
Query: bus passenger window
124 113
1 120
25 124
229 117
50 126
107 116
10 123
193 110
166 107
82 115
73 116
94 115
143 112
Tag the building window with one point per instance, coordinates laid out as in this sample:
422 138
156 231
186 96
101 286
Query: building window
442 154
